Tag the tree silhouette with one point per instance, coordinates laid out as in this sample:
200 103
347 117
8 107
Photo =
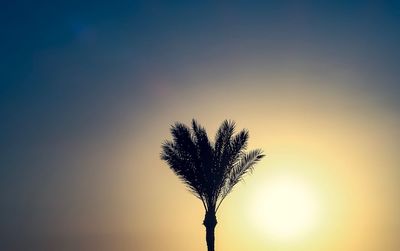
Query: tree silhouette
209 169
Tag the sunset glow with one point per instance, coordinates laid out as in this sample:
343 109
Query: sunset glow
284 208
89 91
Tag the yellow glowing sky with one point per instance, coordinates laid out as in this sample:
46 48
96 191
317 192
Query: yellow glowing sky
329 151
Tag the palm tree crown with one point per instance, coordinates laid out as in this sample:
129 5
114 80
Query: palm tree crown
209 169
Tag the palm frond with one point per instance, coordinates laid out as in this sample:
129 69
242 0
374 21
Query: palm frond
242 167
223 135
205 153
222 153
230 156
183 141
237 148
182 166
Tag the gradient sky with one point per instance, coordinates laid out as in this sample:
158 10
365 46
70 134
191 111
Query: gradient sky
88 92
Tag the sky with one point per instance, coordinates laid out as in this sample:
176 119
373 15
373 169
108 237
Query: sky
88 91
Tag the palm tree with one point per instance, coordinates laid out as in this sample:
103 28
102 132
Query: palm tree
209 170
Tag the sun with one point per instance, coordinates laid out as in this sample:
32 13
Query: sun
284 208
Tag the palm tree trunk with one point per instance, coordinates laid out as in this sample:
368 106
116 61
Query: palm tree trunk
210 221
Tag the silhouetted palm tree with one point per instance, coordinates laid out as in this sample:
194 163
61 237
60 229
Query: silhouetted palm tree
210 170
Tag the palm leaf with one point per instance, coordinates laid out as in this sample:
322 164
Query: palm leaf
205 153
242 167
